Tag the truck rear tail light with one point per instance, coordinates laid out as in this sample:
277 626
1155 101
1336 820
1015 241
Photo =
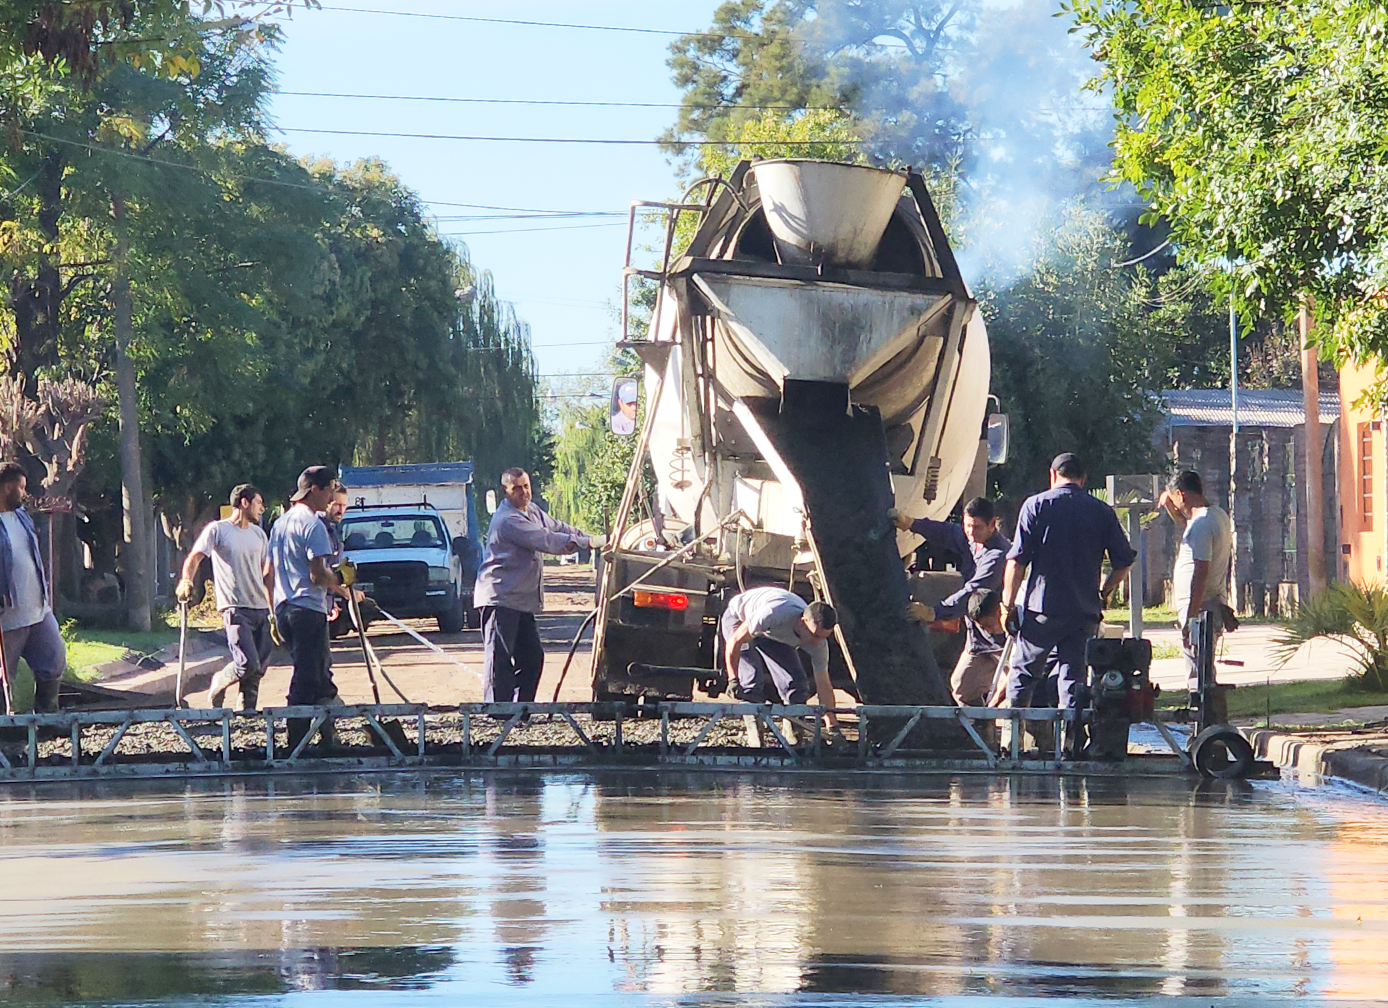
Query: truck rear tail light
659 600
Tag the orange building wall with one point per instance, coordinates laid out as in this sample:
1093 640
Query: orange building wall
1363 525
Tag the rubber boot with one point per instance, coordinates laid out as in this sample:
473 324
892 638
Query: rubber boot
46 696
221 682
297 728
250 693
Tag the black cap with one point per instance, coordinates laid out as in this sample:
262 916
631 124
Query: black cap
1068 464
313 478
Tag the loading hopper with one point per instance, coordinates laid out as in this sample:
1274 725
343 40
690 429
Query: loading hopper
822 213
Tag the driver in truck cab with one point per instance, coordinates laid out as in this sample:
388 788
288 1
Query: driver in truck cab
509 591
768 634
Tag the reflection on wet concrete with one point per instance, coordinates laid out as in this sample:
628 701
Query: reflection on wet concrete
688 887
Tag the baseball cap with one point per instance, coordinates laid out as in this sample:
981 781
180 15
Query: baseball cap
626 392
1068 464
313 478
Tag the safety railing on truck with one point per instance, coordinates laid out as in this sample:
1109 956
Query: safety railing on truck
167 742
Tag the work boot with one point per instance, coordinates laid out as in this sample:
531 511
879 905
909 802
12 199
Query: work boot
221 682
250 695
46 696
297 729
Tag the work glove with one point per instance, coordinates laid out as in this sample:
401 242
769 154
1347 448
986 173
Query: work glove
1011 621
275 632
921 612
901 521
184 591
597 542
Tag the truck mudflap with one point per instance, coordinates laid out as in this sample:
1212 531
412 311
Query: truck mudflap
838 456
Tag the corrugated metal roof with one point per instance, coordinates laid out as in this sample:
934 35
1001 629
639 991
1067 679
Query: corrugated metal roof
426 473
1257 407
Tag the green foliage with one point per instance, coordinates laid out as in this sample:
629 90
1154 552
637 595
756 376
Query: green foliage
283 313
1078 348
1257 131
1354 616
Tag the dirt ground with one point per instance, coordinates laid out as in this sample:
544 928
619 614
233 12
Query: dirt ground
425 677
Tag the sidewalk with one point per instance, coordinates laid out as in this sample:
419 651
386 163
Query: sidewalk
1359 755
1246 657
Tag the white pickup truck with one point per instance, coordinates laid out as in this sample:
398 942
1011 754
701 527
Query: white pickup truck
411 531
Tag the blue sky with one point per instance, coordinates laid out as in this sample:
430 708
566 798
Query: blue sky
562 280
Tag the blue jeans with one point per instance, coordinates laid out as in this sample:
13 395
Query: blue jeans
248 637
767 670
1049 648
41 645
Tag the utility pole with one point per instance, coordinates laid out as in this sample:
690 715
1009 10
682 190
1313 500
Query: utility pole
1311 442
1233 453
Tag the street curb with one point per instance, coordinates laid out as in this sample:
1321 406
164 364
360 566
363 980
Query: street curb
1295 752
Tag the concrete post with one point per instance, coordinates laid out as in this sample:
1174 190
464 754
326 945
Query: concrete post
1313 445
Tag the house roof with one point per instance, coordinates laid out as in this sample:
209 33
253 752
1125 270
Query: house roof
425 473
1257 408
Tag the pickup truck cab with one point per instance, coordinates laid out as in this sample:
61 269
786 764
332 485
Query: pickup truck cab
415 557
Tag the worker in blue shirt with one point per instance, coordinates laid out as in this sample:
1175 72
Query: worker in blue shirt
1063 535
982 549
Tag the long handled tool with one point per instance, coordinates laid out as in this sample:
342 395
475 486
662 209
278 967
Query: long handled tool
182 652
348 570
5 675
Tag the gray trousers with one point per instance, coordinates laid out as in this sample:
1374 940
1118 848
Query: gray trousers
248 636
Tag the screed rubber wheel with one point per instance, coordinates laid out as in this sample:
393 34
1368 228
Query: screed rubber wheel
1222 753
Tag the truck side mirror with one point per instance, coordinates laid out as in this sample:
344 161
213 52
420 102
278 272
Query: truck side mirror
621 417
491 502
997 434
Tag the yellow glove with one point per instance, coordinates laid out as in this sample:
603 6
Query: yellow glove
184 591
921 612
275 632
901 521
348 572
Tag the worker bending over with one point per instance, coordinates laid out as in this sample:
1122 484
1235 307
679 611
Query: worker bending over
1063 535
509 590
243 581
768 633
982 549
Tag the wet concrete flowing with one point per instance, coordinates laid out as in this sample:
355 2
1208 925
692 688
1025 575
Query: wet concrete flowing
697 889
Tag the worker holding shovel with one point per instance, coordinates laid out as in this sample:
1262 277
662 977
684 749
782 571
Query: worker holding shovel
26 612
243 581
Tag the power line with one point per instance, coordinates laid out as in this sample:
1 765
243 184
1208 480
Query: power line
565 227
561 140
547 24
583 104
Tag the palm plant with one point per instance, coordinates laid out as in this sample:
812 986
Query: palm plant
1353 615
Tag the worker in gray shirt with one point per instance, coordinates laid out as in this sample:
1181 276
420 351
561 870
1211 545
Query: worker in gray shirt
509 590
765 631
243 581
26 610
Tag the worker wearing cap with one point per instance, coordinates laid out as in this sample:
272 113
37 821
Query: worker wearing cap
244 581
765 633
509 590
300 552
624 416
982 549
1063 534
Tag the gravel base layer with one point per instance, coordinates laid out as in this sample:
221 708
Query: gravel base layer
159 742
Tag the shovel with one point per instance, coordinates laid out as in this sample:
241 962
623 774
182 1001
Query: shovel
5 676
393 729
182 649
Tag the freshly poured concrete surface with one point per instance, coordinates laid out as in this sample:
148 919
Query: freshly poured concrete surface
691 889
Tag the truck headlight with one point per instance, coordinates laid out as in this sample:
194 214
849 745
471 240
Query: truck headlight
438 575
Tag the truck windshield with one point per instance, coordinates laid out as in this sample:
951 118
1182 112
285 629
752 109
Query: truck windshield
395 532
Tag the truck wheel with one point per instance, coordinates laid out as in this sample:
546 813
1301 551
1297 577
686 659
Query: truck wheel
452 619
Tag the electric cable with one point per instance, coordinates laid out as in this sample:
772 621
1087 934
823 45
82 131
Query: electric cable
610 141
550 24
582 104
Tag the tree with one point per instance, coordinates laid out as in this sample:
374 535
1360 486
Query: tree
1257 132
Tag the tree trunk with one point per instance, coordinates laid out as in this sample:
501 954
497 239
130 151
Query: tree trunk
135 527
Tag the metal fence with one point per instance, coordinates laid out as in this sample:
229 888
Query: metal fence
169 742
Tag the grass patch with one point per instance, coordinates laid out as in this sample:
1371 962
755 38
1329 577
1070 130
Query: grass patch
1315 697
1151 616
86 648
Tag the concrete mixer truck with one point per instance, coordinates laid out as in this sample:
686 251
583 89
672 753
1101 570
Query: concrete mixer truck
812 358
